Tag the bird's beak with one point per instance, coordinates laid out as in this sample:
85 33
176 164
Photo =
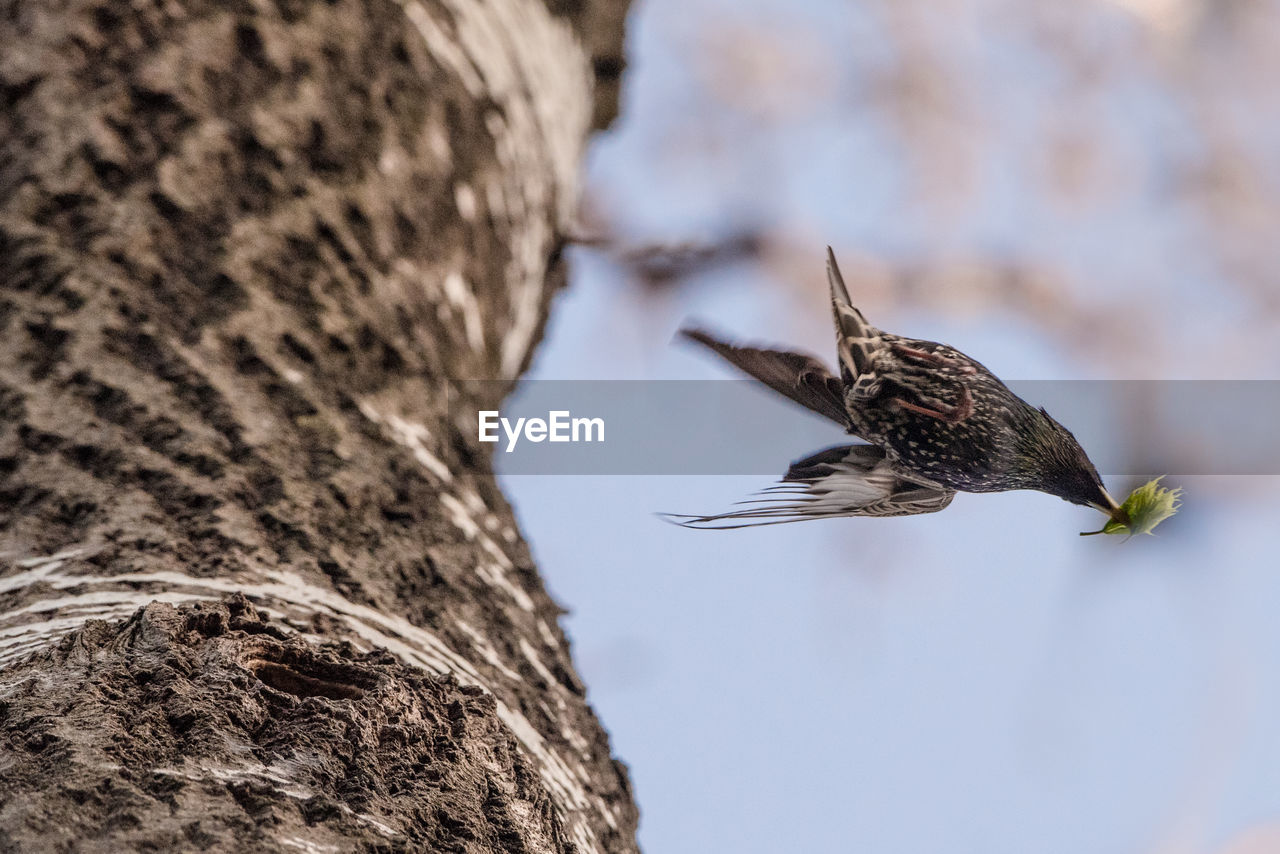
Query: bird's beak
1111 508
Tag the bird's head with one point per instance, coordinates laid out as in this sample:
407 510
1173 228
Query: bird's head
1062 468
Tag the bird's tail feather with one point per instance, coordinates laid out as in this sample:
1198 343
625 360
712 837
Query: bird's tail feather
855 338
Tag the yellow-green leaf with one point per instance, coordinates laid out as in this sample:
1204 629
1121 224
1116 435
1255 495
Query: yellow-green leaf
1146 507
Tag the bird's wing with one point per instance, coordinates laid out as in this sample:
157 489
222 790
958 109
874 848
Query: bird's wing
848 480
802 378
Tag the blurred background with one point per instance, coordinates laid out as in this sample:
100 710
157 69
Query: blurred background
1082 190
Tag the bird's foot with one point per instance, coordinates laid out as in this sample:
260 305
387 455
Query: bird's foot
866 387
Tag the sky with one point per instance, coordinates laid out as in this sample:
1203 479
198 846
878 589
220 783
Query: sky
1063 191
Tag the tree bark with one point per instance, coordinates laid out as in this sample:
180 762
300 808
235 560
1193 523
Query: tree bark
258 590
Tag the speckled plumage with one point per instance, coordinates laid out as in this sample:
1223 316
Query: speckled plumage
937 422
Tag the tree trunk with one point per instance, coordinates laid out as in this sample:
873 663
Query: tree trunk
258 590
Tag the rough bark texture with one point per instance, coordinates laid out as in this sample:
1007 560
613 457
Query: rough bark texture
258 590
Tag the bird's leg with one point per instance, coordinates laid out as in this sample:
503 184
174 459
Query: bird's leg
950 414
932 358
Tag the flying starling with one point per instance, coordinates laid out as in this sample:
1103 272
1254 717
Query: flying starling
937 422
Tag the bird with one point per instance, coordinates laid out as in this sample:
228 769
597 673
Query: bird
932 422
